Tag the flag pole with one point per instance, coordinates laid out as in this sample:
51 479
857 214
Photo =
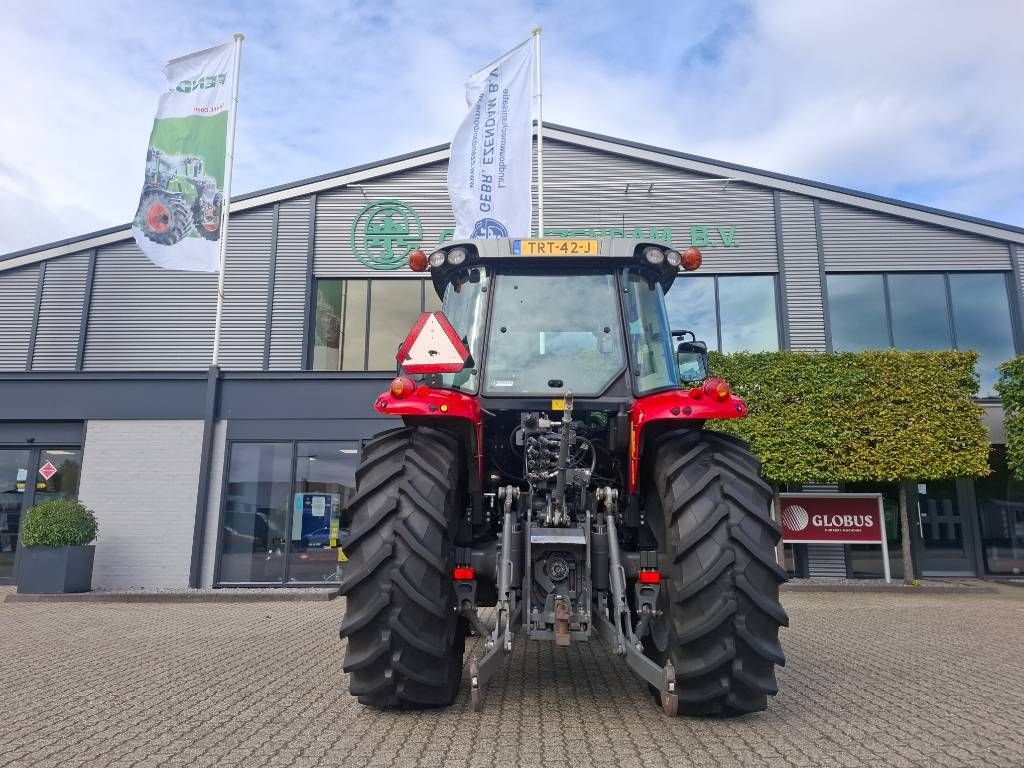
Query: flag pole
540 138
226 203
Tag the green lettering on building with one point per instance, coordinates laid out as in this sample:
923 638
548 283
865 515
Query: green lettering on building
702 236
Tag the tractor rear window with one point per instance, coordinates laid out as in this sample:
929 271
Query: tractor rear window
552 333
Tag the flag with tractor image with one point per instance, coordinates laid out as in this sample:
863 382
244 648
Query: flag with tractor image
178 222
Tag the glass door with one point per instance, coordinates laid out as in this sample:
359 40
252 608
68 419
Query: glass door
944 534
14 472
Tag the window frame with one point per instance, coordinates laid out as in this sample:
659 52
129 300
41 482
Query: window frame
1012 304
777 301
310 340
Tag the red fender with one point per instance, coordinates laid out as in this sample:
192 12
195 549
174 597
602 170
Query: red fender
675 405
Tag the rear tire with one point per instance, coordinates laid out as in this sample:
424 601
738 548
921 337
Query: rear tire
405 639
721 610
163 217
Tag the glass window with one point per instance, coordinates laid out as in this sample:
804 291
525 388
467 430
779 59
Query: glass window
256 507
431 301
327 329
920 319
325 479
746 306
856 312
1000 499
651 352
982 321
355 294
63 483
866 559
14 469
465 306
691 307
394 307
551 333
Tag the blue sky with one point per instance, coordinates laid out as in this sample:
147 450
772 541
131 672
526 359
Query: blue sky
916 100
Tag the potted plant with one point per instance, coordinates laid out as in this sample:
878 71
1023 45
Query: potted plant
57 553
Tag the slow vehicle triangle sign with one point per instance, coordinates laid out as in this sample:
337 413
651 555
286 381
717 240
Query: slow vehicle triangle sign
432 346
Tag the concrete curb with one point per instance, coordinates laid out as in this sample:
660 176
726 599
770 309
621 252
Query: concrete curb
891 589
204 596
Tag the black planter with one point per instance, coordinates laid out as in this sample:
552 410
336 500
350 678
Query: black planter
55 569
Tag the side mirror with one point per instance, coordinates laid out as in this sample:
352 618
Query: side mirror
692 360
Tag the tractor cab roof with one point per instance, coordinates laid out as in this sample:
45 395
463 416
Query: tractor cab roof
558 255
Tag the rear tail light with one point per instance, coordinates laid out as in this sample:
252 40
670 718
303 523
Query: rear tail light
418 261
717 389
692 258
402 387
463 573
696 393
649 577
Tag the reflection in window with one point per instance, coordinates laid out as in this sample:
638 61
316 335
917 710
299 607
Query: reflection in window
919 314
856 305
981 317
256 507
1001 512
926 312
342 341
691 307
746 311
746 306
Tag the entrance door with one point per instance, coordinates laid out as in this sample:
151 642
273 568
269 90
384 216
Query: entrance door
14 472
943 534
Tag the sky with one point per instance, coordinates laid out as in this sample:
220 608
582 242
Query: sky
918 100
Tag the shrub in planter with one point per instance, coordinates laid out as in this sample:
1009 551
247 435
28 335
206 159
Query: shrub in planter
56 553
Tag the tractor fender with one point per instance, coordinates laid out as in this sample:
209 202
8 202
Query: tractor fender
426 404
675 405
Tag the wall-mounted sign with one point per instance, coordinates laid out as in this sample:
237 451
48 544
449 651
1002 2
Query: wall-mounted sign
834 518
384 232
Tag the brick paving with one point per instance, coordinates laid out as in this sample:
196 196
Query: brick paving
872 680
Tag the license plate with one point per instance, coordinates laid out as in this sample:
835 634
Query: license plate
554 247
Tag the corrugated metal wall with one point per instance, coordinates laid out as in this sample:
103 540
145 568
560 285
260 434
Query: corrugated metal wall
246 280
143 318
18 289
287 331
803 279
582 188
865 241
60 313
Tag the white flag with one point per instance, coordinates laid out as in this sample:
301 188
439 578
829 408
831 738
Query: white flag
178 221
492 153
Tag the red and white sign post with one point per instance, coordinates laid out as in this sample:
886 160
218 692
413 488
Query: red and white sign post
835 518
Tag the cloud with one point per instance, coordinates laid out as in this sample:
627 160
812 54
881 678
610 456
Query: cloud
913 99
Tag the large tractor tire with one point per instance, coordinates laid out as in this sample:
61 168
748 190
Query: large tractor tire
720 607
164 217
405 639
207 222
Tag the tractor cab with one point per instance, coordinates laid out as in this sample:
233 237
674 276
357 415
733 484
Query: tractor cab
544 317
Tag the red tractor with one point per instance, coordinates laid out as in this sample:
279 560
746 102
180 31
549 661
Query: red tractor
553 465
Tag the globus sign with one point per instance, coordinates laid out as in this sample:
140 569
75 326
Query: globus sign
834 518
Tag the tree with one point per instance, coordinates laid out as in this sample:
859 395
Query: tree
1011 390
884 416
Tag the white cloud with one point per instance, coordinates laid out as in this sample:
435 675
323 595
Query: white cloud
912 99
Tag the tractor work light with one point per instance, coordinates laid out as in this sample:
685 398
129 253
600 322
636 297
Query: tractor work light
418 261
717 389
692 258
456 256
654 255
673 258
437 258
402 387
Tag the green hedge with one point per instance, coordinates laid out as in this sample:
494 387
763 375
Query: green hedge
58 523
1011 389
844 417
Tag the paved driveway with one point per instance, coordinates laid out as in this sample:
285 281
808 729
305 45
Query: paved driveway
871 680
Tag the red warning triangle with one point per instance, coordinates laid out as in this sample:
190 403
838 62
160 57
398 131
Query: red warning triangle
432 346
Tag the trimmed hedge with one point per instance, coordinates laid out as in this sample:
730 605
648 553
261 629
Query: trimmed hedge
58 523
884 416
1011 390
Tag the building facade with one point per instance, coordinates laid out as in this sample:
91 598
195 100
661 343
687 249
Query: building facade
232 475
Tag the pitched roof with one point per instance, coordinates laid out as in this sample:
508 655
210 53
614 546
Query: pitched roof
596 141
